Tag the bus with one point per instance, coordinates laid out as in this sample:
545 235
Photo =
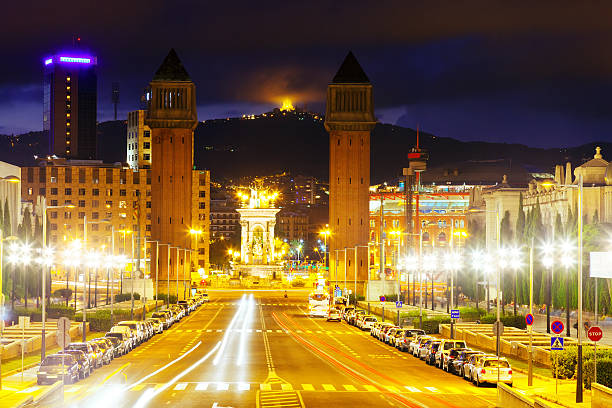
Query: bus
318 303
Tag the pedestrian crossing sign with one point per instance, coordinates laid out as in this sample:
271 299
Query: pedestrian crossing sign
556 343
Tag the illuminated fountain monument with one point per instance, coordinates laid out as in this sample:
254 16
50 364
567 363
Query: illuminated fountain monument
257 220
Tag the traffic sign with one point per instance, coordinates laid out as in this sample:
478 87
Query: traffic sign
529 319
454 313
382 298
63 323
595 333
399 304
62 339
557 326
556 343
498 328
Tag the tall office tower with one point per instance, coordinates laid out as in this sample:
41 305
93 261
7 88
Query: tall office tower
172 117
138 141
349 120
70 103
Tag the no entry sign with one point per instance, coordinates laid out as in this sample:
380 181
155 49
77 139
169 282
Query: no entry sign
529 319
557 326
595 333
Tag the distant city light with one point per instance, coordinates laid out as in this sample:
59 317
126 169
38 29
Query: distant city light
287 106
48 61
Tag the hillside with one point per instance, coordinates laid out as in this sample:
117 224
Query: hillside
298 143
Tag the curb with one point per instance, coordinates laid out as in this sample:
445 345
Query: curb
541 377
18 370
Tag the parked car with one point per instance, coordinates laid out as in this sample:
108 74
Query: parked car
98 360
469 365
164 317
334 314
118 345
57 367
445 348
381 328
367 322
488 369
389 334
87 349
423 348
82 361
128 334
186 305
108 351
414 346
346 311
457 365
430 354
158 324
402 342
450 357
123 340
136 328
354 316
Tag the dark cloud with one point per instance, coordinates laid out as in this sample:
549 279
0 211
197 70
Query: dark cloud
546 62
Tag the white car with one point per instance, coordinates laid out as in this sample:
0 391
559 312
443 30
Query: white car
445 347
489 369
334 314
414 345
367 322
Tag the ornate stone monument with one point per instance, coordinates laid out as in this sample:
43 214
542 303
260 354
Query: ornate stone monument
257 220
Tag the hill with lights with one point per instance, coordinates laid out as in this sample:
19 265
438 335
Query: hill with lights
296 141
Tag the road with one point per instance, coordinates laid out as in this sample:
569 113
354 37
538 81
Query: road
258 349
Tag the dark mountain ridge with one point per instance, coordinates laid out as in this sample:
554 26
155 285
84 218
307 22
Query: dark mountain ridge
296 142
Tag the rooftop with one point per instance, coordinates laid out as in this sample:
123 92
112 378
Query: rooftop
172 69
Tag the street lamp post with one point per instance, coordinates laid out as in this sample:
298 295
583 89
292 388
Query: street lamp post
580 187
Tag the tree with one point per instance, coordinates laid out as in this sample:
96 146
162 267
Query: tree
505 231
27 224
6 222
519 230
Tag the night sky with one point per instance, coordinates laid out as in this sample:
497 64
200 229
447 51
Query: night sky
538 73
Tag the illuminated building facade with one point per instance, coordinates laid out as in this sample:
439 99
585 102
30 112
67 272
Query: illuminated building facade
349 120
442 218
69 104
138 141
105 194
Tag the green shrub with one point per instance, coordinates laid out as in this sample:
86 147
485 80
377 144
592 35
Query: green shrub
470 314
432 325
565 361
164 297
99 320
391 298
64 293
604 372
52 312
508 320
123 297
413 314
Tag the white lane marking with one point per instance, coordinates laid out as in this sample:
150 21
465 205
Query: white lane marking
432 389
308 387
412 389
222 386
202 386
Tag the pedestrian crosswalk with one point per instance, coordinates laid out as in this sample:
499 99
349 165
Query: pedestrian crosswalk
269 331
324 387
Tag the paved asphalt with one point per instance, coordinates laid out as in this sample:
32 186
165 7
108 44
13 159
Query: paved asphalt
258 349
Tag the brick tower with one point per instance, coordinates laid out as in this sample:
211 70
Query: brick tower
172 117
349 120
